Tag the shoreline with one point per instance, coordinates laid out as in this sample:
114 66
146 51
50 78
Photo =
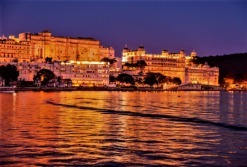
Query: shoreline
57 89
131 89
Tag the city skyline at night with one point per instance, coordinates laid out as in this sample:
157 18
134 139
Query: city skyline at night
209 27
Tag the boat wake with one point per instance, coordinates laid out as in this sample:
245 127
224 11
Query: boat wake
154 116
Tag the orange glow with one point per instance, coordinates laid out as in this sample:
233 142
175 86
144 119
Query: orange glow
92 125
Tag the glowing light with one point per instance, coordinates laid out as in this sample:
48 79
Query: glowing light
87 62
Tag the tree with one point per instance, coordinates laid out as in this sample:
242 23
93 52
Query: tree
112 61
112 78
232 64
108 60
155 78
130 65
139 81
44 75
126 78
176 81
141 64
160 78
9 73
150 79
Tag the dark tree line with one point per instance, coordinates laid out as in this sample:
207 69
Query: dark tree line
150 79
232 66
157 78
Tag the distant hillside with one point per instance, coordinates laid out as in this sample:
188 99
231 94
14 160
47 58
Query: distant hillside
232 66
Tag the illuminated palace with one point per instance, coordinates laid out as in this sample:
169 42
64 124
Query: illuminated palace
79 59
173 65
76 58
33 47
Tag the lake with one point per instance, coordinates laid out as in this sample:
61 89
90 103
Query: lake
100 128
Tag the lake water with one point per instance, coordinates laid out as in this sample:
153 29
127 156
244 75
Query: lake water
90 128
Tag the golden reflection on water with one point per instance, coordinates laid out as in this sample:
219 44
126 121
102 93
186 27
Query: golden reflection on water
35 132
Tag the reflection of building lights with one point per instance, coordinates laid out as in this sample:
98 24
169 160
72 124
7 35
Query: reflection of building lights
14 102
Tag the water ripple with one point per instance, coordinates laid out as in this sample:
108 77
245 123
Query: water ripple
123 129
155 116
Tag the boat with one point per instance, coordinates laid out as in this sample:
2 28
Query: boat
7 89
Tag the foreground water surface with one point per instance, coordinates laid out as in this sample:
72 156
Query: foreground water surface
123 128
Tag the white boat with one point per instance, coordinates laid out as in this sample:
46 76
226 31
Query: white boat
7 91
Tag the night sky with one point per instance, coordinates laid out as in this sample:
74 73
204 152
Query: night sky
210 27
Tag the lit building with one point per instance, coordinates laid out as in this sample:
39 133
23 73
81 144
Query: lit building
44 45
12 50
172 65
36 47
78 59
202 74
82 73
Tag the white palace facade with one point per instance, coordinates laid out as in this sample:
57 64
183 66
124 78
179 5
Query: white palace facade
173 65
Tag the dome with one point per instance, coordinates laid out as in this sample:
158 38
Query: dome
206 65
126 49
165 51
182 52
141 48
193 53
3 37
46 31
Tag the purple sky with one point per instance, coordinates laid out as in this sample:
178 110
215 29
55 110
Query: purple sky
210 27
